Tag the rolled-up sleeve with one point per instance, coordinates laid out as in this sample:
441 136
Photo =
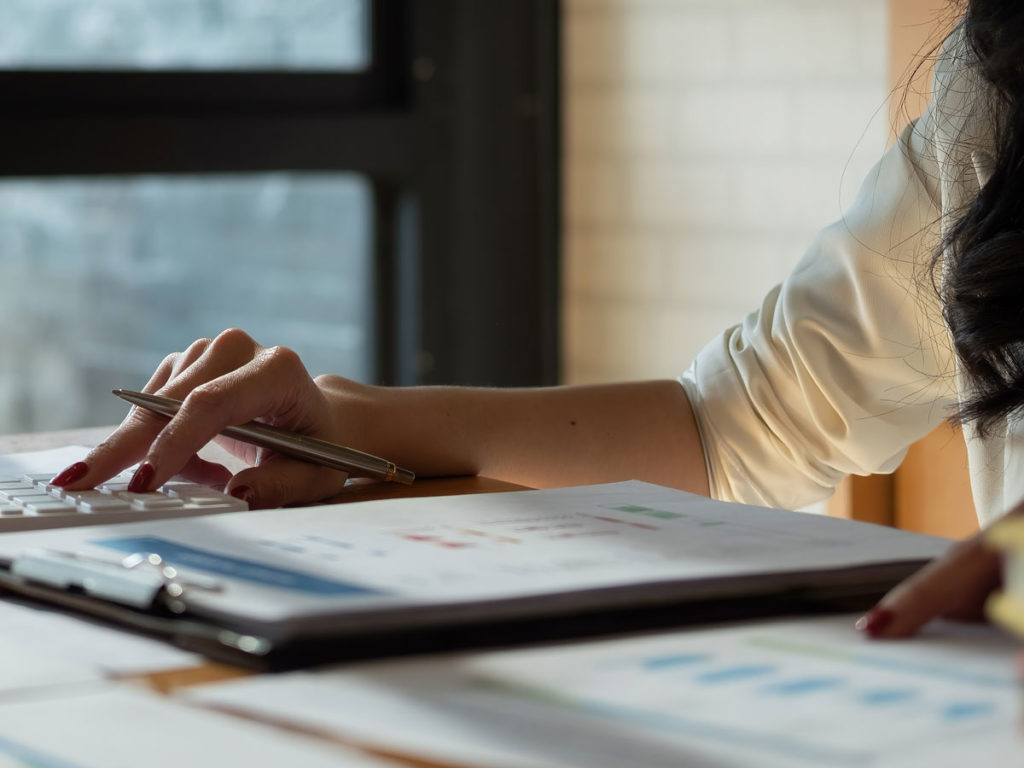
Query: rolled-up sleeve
844 364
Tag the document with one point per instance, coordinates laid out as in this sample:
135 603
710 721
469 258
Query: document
792 693
14 465
64 641
399 565
125 727
25 669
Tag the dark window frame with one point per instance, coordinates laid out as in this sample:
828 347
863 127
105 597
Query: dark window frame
455 122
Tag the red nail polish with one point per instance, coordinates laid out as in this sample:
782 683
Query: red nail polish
72 474
876 621
142 478
243 493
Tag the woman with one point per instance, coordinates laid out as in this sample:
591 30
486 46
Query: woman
867 346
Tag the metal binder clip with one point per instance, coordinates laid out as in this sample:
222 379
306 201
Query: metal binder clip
174 587
120 582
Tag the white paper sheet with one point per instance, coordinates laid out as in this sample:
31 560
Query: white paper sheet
281 565
25 669
786 693
123 727
63 638
428 709
51 460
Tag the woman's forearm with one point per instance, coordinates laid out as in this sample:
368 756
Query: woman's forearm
543 437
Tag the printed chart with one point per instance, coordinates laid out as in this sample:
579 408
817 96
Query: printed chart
803 693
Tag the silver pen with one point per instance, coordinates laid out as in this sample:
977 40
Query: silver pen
356 463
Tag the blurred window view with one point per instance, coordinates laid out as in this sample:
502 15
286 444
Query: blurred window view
103 277
324 174
185 34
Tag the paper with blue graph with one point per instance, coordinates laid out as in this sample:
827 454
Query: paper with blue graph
791 693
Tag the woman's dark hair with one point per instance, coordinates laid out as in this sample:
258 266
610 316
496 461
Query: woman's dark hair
983 285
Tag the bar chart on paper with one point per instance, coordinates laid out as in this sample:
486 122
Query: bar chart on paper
793 693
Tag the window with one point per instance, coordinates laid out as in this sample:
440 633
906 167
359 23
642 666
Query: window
119 271
372 182
186 34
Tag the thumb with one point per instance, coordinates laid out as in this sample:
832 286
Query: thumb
278 480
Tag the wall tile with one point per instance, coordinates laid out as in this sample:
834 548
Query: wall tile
706 141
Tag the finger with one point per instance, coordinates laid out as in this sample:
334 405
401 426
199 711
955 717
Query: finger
174 363
176 374
953 586
199 470
126 445
205 359
208 359
279 480
273 385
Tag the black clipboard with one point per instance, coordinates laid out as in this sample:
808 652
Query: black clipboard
145 594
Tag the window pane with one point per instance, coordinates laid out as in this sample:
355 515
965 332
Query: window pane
185 34
101 278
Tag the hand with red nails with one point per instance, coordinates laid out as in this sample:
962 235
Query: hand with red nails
225 381
955 586
538 437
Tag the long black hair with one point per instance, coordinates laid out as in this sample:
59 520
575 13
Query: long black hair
983 282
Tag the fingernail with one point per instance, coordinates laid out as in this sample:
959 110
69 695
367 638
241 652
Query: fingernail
72 474
242 493
142 478
875 621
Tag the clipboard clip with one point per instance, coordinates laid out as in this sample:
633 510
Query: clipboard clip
141 580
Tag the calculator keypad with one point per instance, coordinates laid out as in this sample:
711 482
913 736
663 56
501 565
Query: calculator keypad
31 501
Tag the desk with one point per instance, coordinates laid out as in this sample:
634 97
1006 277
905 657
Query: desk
838 661
359 490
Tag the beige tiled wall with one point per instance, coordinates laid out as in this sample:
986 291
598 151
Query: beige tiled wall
705 142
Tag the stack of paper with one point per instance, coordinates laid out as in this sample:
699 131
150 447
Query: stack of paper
798 693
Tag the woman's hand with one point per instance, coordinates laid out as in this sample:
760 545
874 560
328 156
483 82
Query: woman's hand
955 586
222 382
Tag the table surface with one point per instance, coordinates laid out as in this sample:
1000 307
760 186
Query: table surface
359 490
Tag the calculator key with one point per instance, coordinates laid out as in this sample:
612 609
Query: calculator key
78 496
155 496
106 504
161 502
49 507
113 486
179 488
6 494
193 491
27 495
202 500
14 484
228 505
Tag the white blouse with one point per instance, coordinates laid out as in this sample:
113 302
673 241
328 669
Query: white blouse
848 361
